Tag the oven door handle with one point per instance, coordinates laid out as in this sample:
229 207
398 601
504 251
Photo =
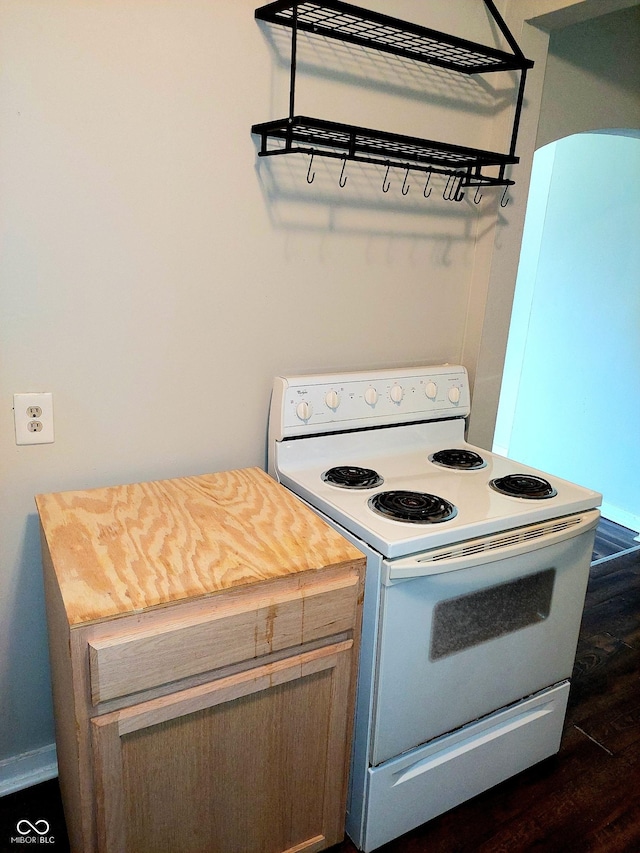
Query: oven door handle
486 549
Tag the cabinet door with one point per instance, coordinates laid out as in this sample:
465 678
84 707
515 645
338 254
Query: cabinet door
254 762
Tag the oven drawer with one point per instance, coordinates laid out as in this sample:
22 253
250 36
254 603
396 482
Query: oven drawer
415 787
225 630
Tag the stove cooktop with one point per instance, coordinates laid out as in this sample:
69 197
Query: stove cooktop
398 461
383 455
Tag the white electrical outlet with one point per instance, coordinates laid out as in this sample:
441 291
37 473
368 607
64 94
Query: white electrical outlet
33 416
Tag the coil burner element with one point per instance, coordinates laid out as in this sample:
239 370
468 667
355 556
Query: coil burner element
352 477
461 460
524 486
414 507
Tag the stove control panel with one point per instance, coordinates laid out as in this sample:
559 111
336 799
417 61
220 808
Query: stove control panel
305 405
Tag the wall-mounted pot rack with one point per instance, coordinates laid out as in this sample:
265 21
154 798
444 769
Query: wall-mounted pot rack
366 28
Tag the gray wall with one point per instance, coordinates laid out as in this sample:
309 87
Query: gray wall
592 79
156 274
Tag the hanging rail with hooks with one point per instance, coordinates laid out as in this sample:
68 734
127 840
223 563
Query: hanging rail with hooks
363 27
317 137
453 189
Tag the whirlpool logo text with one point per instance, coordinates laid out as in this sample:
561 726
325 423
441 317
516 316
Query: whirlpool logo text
33 833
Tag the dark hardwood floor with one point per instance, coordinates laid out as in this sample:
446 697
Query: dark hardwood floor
586 799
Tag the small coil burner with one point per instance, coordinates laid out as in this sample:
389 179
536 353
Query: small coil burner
461 460
523 486
414 507
352 477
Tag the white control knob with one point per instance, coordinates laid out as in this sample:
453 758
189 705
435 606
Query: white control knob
332 400
303 410
396 393
454 394
371 396
431 390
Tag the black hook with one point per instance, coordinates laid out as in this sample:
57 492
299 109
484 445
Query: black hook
386 183
405 185
310 177
342 180
446 193
453 188
424 191
477 198
504 203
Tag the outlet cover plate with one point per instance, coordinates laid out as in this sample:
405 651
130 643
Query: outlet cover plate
30 428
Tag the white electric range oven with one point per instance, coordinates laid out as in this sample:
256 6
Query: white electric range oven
477 568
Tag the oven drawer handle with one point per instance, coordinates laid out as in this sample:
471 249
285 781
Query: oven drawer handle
472 742
475 552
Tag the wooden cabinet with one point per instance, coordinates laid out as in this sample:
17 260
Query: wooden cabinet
203 637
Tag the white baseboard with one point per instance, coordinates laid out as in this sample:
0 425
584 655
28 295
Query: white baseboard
29 768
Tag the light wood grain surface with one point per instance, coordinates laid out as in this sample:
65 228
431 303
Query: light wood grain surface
129 548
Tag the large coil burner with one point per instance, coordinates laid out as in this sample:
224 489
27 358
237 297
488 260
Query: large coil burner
414 507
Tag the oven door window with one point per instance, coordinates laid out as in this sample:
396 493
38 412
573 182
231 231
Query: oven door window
467 620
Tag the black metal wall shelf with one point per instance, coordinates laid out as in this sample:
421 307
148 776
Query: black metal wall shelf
363 27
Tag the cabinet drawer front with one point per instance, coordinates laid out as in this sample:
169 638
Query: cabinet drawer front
238 627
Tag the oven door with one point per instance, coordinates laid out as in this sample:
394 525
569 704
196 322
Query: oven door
473 628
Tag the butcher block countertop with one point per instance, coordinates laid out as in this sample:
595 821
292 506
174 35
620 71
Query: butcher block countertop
125 549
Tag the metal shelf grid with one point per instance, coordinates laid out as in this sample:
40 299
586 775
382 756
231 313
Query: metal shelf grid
369 29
